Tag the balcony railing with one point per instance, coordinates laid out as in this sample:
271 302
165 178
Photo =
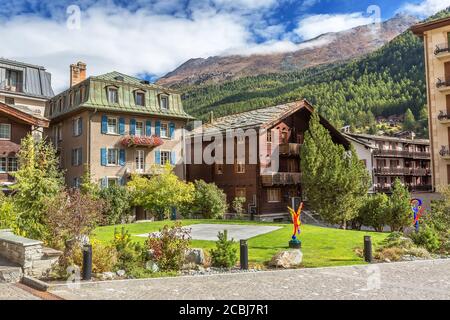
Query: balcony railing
402 171
442 48
441 84
142 141
281 178
402 153
443 116
292 149
411 188
445 152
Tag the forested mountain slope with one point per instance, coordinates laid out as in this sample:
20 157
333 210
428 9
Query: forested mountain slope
386 82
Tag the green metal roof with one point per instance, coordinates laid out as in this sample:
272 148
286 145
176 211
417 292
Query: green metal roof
97 98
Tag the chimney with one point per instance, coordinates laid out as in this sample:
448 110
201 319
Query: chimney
77 73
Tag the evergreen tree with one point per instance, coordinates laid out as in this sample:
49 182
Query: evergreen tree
38 180
400 214
334 180
410 121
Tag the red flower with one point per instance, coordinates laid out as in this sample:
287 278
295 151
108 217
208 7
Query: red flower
152 141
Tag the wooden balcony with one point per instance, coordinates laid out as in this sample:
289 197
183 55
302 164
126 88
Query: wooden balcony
405 171
393 153
281 179
290 149
411 188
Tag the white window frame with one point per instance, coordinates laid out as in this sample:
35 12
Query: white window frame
3 164
142 133
116 158
136 94
161 98
140 161
269 195
76 127
109 89
116 126
8 125
168 160
166 135
116 179
236 166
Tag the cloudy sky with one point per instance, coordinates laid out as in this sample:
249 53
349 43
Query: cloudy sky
149 38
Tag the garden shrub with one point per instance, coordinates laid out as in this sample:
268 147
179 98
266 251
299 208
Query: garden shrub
8 218
375 211
130 255
427 237
399 207
117 204
391 254
169 248
238 205
209 201
225 253
397 239
104 257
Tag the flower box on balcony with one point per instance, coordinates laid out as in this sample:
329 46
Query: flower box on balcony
137 141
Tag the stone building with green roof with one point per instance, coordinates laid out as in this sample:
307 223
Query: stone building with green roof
117 125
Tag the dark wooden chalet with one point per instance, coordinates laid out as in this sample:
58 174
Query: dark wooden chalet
267 195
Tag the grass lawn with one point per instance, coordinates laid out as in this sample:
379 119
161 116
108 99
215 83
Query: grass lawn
322 247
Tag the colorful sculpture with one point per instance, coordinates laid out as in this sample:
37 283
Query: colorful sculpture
295 243
418 210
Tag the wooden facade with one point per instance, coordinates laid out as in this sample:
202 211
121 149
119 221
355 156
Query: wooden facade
267 195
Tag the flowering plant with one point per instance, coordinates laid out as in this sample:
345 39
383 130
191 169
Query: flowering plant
152 141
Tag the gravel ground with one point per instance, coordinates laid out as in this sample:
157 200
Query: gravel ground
12 292
415 280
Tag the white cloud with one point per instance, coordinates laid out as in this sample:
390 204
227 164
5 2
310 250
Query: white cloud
315 25
425 8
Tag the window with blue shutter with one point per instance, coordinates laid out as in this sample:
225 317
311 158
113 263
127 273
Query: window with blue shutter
80 126
104 182
104 124
103 159
122 157
148 128
171 130
121 126
173 158
158 128
133 127
157 157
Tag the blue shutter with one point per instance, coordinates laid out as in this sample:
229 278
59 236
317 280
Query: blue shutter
121 126
173 158
158 128
80 126
133 127
171 130
104 182
148 128
104 124
122 157
157 157
103 156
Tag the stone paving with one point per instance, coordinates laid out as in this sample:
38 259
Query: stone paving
12 292
414 280
237 232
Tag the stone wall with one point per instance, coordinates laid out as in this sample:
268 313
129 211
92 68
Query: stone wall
29 254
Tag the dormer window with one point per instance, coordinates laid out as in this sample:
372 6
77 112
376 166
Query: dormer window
113 95
164 102
139 98
14 80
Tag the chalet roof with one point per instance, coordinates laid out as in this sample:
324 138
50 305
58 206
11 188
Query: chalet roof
265 118
358 140
420 28
255 118
390 139
24 114
36 80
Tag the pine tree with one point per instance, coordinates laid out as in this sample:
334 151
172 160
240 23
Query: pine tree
410 121
334 180
400 214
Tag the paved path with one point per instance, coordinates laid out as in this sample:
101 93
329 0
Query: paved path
12 292
236 231
406 280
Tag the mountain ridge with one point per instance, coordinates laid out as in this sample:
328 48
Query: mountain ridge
327 48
